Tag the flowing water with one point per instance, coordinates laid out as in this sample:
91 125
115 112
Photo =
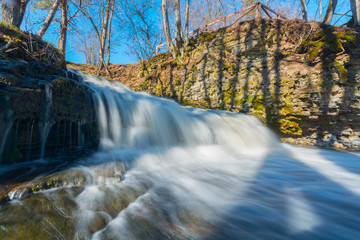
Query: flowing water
170 172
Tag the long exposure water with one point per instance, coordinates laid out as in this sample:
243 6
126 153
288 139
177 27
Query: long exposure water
171 172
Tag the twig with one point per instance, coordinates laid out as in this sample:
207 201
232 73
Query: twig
7 45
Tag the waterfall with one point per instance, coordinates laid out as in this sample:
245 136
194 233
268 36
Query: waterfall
46 125
138 120
28 151
164 171
5 128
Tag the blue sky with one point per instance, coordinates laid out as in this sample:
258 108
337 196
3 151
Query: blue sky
119 55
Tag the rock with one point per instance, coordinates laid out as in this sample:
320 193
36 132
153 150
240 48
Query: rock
71 112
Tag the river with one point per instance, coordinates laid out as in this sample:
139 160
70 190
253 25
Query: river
165 171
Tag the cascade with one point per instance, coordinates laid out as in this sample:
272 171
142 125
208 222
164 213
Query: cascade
4 131
139 120
46 125
28 151
164 171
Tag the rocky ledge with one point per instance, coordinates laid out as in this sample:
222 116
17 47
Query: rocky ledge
45 111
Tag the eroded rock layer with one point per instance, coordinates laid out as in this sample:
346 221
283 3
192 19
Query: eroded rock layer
44 112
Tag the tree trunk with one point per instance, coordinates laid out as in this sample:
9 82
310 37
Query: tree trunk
320 11
178 38
355 8
187 22
109 32
23 5
10 13
63 26
165 17
48 19
103 35
304 9
330 12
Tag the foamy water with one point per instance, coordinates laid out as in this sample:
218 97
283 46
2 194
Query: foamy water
169 172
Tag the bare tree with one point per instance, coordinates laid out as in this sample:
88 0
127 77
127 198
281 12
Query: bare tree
67 20
109 32
63 26
187 21
140 27
203 12
330 11
12 12
100 25
178 30
304 9
104 34
320 10
165 17
87 44
48 19
129 16
355 8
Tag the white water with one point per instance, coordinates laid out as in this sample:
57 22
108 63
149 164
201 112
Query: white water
45 125
4 131
169 172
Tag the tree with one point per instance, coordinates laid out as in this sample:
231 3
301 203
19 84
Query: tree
13 11
109 33
355 8
320 10
178 30
48 19
165 18
330 12
304 9
63 26
87 44
140 27
187 21
104 34
203 12
100 24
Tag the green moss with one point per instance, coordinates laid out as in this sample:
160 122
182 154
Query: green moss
323 84
330 41
60 82
193 68
342 70
313 53
258 106
205 37
290 127
288 109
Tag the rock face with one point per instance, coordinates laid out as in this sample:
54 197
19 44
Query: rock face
44 112
301 79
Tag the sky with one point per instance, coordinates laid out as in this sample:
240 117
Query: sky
119 56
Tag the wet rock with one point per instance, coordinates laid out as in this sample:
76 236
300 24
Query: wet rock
70 112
